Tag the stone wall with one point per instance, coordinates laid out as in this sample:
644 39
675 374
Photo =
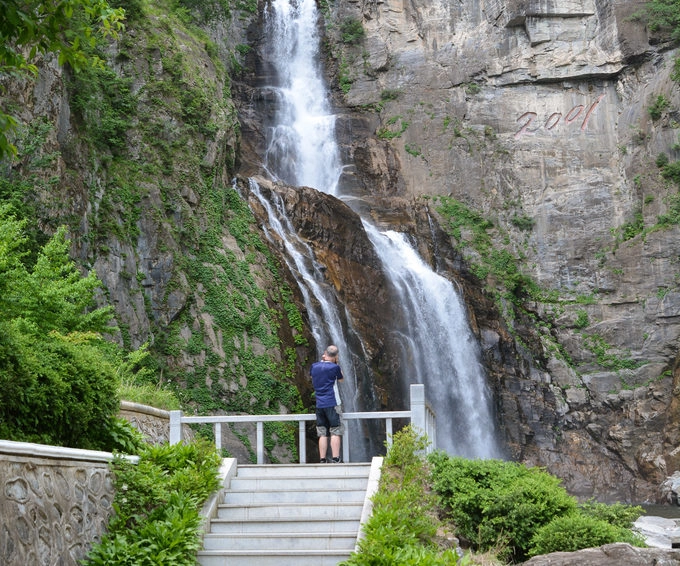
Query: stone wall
153 423
54 503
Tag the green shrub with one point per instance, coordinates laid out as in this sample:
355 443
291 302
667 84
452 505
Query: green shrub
577 531
662 14
671 171
618 514
661 160
138 381
105 103
658 106
629 230
390 94
57 385
491 501
525 223
53 391
404 524
58 376
582 319
672 217
157 505
149 395
472 88
119 435
351 31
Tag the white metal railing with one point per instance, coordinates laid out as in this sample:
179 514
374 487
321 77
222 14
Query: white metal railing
421 415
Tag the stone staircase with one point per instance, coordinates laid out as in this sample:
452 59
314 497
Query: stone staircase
292 514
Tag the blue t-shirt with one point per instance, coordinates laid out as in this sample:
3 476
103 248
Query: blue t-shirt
325 376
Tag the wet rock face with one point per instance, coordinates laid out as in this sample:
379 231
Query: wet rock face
339 243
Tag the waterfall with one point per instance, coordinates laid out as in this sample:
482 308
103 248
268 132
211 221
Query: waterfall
302 149
439 348
437 345
328 319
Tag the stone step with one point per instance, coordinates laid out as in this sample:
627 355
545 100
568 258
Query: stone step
303 470
273 483
290 511
288 515
285 526
303 496
273 558
280 541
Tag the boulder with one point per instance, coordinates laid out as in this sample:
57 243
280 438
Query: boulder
617 554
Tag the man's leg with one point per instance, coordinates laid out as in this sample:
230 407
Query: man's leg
335 445
323 447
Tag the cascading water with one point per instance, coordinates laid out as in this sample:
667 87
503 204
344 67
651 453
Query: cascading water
302 149
438 347
302 152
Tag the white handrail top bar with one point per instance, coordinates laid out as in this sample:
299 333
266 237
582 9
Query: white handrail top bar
290 417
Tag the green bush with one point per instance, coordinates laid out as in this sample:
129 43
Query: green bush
119 435
658 106
138 381
491 501
617 514
671 171
525 223
582 319
58 387
58 376
404 524
661 14
629 230
157 506
351 31
577 531
149 395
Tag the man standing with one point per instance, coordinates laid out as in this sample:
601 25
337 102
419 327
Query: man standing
325 377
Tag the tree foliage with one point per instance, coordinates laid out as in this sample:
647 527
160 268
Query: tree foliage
63 27
660 14
57 376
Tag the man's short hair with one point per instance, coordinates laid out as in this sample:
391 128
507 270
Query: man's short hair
332 351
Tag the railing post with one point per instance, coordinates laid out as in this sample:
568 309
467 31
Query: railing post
431 430
344 442
303 441
218 436
260 442
418 415
175 436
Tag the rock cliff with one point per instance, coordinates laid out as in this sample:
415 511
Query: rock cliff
540 116
531 116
